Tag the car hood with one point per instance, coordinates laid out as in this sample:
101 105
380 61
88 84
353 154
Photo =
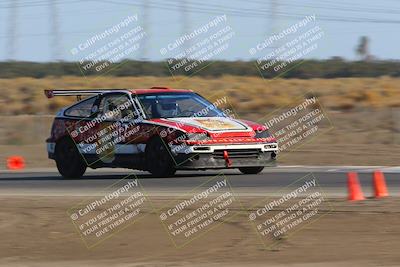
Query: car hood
211 124
216 127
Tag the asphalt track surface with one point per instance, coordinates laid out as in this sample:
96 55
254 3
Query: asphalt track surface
332 180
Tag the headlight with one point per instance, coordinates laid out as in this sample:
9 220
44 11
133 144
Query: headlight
262 134
198 136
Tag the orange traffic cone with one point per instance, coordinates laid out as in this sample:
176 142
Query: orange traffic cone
15 163
354 187
379 185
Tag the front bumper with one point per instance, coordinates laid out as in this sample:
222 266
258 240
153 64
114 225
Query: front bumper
224 158
211 148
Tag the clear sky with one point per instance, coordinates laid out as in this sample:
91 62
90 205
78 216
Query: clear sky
343 22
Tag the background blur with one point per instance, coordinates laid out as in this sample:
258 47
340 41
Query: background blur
354 72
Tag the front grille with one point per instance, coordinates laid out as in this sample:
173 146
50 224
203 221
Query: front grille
237 153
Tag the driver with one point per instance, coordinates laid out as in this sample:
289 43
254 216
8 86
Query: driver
167 109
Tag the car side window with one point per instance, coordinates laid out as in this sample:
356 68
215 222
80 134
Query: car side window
82 109
116 107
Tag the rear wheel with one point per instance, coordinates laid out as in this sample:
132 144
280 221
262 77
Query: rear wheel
69 162
251 170
158 159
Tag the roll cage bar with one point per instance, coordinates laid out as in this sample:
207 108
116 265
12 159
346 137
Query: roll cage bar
87 92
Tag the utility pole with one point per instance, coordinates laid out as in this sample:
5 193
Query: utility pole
144 42
272 27
272 19
12 30
185 24
55 32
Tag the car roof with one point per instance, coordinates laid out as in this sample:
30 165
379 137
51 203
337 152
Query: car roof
158 90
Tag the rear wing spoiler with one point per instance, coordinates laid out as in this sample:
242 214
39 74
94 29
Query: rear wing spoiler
77 93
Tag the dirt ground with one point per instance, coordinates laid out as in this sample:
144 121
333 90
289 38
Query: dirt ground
38 232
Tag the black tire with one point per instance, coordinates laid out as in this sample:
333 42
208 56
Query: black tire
69 161
158 159
251 170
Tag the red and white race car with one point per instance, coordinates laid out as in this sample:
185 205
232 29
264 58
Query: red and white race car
159 130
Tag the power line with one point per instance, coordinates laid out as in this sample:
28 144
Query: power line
258 10
36 3
348 7
243 12
192 8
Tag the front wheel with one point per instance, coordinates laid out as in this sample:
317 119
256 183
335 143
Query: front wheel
158 159
251 170
69 162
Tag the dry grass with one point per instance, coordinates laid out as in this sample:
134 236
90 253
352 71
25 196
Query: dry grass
246 94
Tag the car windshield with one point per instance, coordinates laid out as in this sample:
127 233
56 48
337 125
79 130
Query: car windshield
174 105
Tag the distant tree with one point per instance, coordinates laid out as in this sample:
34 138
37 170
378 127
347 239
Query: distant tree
363 48
336 58
333 68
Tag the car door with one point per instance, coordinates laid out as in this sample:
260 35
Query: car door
118 127
78 124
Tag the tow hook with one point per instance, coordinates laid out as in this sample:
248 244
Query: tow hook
228 162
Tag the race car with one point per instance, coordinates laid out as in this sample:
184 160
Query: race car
160 130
